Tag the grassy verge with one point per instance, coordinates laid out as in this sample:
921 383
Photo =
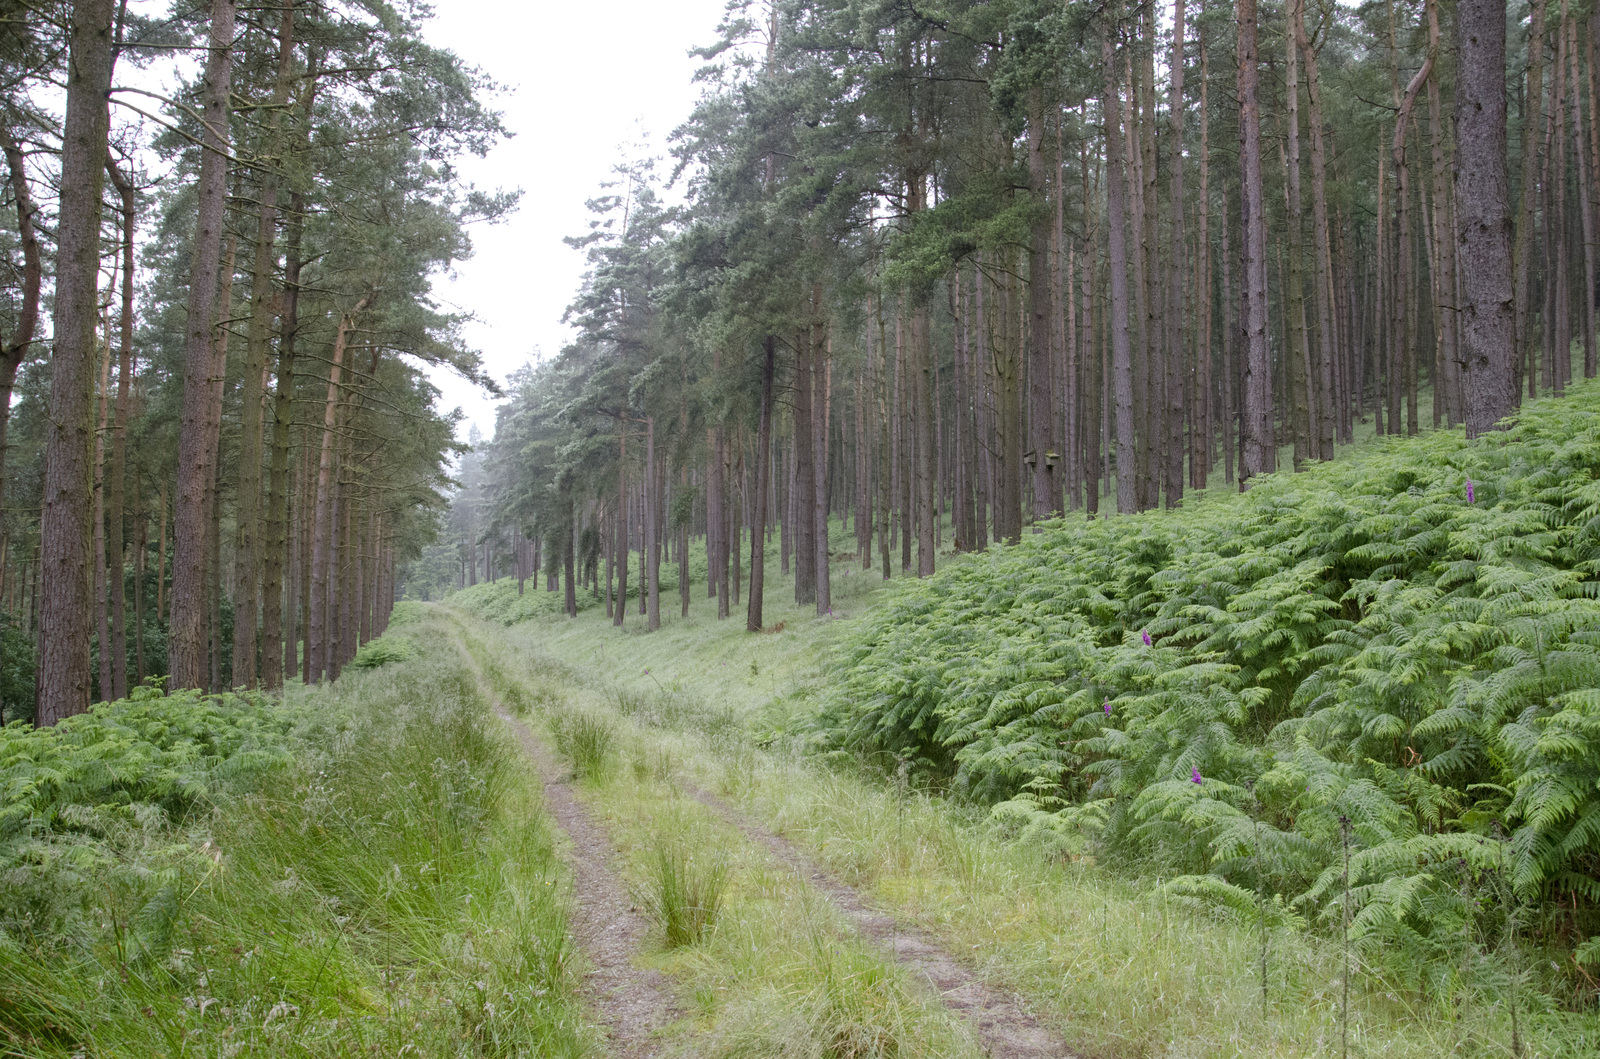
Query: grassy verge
1119 967
772 968
382 883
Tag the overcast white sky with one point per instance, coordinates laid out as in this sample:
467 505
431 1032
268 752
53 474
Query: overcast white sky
582 79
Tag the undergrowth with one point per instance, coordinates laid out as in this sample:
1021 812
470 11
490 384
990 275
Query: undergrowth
363 868
1404 643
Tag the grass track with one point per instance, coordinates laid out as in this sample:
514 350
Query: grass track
392 891
1117 970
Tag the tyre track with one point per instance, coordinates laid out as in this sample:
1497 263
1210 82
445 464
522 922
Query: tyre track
1002 1025
634 1004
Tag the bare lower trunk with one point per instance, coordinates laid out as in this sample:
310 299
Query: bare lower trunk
1483 218
248 587
317 640
1116 222
1260 448
196 444
63 668
277 659
758 524
116 477
1176 355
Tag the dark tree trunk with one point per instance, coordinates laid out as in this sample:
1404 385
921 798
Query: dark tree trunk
116 475
273 639
1483 218
14 348
1116 222
1046 493
196 444
247 569
1176 356
63 673
1260 448
758 524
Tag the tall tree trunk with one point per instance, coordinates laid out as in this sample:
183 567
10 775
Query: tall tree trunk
62 680
1527 212
926 475
1294 343
273 638
1260 449
1585 190
116 479
652 527
1046 498
624 545
1116 226
196 445
1176 353
758 524
1483 217
1327 346
821 375
14 348
803 483
1408 284
101 567
320 626
247 572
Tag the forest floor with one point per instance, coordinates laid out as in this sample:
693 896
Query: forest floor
860 917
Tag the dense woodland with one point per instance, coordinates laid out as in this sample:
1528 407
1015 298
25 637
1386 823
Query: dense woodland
222 443
940 275
948 271
953 282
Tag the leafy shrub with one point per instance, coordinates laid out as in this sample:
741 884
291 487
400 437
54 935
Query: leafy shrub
1362 641
380 652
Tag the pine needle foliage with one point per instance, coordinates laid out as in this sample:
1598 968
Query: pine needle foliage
1368 639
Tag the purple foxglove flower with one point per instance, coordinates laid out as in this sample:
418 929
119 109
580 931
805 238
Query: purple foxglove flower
1107 705
1146 634
1470 498
1194 773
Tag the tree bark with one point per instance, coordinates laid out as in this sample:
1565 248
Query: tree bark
1295 345
247 568
1116 224
1260 448
1482 194
63 673
116 476
15 348
1046 499
1327 346
758 524
196 446
1533 99
278 658
821 378
320 631
1176 355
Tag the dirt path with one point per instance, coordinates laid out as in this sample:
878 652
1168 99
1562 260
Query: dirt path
1002 1025
631 1002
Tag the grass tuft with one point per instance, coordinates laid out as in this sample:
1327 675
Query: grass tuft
686 891
586 739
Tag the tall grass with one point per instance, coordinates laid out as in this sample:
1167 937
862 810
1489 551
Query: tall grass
685 891
1121 965
392 890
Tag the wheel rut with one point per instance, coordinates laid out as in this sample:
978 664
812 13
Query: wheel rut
1003 1026
633 1004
